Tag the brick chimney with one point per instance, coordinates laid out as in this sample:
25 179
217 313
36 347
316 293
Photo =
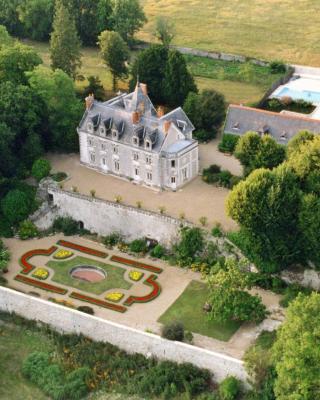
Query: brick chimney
135 117
166 126
144 88
89 101
160 111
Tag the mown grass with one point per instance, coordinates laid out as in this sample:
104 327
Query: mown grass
273 29
15 345
188 310
114 275
208 75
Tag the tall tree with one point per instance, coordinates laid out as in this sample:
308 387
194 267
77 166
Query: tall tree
56 90
8 159
150 66
115 53
127 18
36 17
9 17
178 82
15 61
297 351
65 44
164 30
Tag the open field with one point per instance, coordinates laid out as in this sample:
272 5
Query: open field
273 29
188 310
209 74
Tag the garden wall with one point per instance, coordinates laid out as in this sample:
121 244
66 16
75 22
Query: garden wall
131 340
104 217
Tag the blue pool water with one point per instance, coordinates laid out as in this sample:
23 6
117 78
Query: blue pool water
312 97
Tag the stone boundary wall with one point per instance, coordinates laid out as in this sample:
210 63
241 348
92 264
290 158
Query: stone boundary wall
67 320
215 55
104 217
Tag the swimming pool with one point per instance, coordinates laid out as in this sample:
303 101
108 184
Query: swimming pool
307 95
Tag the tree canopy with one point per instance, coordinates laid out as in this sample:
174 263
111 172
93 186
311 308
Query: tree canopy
164 30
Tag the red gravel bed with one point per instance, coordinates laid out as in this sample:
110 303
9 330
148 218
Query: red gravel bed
24 260
136 264
40 285
82 249
151 281
98 302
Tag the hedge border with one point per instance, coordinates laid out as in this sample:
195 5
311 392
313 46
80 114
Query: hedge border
82 249
136 264
98 302
40 284
151 281
24 260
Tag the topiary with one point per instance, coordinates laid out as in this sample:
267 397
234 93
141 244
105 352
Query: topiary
86 309
139 246
173 331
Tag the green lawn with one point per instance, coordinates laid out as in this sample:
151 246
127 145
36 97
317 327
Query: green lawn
272 29
114 279
15 344
188 310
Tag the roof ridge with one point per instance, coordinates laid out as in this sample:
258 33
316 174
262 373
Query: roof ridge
274 113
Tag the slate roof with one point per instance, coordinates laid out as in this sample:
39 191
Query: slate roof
118 111
282 127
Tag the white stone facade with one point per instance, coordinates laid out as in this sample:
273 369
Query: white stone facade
128 138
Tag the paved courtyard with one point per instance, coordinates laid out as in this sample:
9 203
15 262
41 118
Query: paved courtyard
195 200
173 282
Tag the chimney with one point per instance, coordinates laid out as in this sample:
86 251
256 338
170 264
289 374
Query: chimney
135 117
166 126
144 88
160 111
89 101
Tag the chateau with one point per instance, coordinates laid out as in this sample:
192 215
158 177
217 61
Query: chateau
127 137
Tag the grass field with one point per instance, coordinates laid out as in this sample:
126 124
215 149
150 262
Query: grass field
188 310
114 278
272 29
207 74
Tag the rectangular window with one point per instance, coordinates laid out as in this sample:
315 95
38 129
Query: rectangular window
148 160
173 179
149 176
173 163
116 166
115 149
136 171
104 161
92 157
185 174
135 156
103 146
90 142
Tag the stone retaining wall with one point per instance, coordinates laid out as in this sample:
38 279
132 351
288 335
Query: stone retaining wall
67 320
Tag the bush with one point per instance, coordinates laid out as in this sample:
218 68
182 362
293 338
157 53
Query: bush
59 176
158 251
138 246
27 230
40 169
66 225
4 257
173 331
224 178
277 67
229 388
86 309
189 247
204 136
112 240
234 180
5 228
217 231
228 143
17 205
291 292
268 282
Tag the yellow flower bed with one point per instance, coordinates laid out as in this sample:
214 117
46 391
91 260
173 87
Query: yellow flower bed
63 254
41 273
114 296
135 275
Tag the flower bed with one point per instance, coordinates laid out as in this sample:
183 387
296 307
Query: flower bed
137 264
63 254
98 302
151 281
24 260
40 285
114 296
41 273
135 275
82 249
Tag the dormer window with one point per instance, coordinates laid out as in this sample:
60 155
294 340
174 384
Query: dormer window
147 144
135 140
284 136
90 127
115 134
90 142
102 131
181 125
236 126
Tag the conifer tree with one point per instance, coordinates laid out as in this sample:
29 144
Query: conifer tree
65 43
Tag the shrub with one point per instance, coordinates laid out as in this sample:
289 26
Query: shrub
190 246
86 309
27 230
204 136
234 180
217 231
112 240
158 251
4 257
224 178
17 205
229 388
277 67
139 246
5 228
291 292
228 143
173 331
203 221
59 176
66 225
40 169
268 282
